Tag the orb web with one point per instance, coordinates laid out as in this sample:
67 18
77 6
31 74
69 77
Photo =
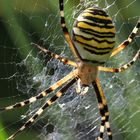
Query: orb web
25 71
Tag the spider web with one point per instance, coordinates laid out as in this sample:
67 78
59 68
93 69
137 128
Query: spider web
24 72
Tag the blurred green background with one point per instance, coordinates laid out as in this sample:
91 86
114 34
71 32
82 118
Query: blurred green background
23 22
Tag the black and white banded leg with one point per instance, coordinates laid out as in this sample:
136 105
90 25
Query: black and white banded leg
103 108
41 110
130 38
65 30
122 68
56 56
43 93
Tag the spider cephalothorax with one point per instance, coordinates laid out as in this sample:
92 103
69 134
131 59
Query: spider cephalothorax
87 73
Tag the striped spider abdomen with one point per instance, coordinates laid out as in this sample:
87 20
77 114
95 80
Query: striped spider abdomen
94 36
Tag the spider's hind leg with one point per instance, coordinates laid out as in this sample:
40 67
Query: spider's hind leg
122 68
65 30
130 38
56 56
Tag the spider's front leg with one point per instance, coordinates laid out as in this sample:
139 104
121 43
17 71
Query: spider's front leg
103 108
42 94
41 110
88 75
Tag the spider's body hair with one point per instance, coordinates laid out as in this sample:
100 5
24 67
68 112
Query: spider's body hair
94 36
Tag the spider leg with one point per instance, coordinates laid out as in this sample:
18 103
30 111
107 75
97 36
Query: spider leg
41 110
43 93
122 68
65 30
128 41
103 108
56 56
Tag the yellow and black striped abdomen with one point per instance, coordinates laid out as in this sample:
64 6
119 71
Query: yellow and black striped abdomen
94 36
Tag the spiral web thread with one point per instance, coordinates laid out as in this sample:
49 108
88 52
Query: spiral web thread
73 117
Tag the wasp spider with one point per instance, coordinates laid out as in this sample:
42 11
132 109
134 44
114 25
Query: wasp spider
92 43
